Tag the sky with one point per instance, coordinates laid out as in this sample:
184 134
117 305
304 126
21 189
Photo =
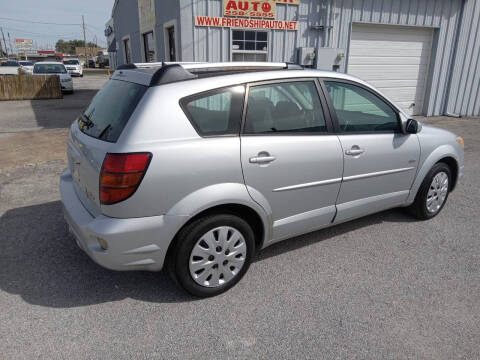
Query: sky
33 12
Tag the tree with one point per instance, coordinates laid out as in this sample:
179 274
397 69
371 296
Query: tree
68 47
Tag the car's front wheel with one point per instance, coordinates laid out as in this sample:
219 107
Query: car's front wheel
212 254
433 192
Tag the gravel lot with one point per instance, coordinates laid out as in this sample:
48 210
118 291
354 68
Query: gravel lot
385 286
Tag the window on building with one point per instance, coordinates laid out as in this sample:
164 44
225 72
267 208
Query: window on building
170 35
128 51
149 47
249 45
358 109
292 107
216 112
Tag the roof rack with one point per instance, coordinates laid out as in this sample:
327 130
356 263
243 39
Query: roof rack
169 72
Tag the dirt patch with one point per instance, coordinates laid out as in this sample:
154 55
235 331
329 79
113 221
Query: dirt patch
32 147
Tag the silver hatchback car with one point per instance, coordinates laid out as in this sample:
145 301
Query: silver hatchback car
198 166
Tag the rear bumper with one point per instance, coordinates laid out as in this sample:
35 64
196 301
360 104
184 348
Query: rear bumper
75 72
67 86
133 244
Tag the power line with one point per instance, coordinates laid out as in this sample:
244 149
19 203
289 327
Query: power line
38 22
21 31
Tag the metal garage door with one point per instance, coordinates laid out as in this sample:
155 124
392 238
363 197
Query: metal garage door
394 59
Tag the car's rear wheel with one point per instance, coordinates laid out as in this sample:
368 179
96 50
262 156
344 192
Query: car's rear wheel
212 254
433 192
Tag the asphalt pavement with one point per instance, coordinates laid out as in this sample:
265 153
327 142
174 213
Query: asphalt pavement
381 287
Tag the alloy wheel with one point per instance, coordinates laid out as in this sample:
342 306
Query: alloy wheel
437 193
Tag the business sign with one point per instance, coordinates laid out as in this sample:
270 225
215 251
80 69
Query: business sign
146 15
265 24
23 44
250 8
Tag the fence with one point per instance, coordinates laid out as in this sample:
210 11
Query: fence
30 87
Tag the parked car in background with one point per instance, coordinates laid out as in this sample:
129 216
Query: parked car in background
74 67
55 68
102 59
26 66
9 67
91 64
199 166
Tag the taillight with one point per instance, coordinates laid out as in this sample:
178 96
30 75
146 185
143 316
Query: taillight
120 176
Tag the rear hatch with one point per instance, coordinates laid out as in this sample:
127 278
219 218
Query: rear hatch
95 133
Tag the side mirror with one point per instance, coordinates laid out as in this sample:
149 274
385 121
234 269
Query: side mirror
413 126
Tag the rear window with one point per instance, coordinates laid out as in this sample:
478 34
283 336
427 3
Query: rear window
110 109
70 62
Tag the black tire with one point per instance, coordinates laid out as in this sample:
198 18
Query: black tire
179 256
419 206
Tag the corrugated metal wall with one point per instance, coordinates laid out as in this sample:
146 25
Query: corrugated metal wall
213 44
464 87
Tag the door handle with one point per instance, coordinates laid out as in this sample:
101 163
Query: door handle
354 151
262 159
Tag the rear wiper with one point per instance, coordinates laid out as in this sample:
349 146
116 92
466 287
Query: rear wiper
88 121
104 131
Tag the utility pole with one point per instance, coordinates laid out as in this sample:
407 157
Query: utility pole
10 42
84 42
4 42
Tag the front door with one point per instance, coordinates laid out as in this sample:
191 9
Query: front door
289 157
380 161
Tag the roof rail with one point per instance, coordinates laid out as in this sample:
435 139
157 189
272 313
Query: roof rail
171 73
217 66
168 72
235 65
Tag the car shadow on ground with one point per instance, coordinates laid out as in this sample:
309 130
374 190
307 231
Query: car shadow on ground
40 261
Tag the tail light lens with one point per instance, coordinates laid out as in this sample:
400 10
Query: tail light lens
121 175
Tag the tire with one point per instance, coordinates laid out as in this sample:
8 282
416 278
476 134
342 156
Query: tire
182 260
419 208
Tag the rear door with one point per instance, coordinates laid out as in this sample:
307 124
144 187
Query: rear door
95 132
290 157
380 161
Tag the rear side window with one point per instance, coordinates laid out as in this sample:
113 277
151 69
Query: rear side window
216 112
110 109
292 107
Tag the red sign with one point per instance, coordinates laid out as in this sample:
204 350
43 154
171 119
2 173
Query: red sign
246 23
249 8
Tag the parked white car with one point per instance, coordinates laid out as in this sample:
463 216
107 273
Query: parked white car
74 67
55 68
26 66
9 67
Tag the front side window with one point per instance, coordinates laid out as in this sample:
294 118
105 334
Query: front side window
149 47
216 112
359 110
292 107
126 46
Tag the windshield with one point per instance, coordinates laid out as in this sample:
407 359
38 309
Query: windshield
110 110
26 63
49 69
71 62
10 63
